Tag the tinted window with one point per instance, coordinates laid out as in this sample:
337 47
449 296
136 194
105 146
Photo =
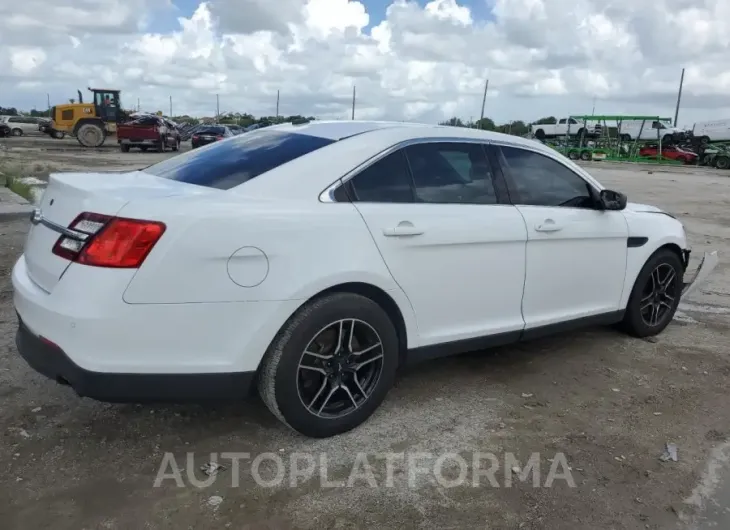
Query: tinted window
563 121
451 173
211 130
542 181
226 164
387 180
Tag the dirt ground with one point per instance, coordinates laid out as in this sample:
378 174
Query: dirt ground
39 155
607 402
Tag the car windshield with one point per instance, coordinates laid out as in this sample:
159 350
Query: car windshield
224 165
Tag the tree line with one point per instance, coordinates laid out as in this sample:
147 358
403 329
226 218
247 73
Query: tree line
12 111
245 120
517 127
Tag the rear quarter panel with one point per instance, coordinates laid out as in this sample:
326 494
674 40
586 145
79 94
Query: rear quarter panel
302 247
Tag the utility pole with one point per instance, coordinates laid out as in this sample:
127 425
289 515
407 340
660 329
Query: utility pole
170 107
277 103
593 112
217 107
484 102
679 98
353 102
137 104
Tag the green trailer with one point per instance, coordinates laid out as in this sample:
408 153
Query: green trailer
611 143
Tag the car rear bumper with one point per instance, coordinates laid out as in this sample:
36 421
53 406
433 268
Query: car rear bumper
83 332
50 360
139 141
707 265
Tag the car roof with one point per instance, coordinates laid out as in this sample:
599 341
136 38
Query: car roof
356 142
339 130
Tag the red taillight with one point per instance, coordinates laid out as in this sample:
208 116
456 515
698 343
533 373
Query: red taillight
195 137
104 241
219 137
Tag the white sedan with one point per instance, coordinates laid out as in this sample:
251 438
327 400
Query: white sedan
310 261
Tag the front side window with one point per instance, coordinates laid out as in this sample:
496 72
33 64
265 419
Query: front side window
224 165
451 173
542 181
387 180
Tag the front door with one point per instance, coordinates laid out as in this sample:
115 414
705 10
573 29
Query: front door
576 253
448 238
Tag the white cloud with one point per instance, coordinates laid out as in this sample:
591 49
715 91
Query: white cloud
424 61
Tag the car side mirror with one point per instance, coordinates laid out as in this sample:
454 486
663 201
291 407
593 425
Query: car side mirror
612 200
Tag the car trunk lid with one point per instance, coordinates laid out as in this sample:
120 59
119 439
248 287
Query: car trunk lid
70 194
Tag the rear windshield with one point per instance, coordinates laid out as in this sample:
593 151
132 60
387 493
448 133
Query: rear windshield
224 165
211 130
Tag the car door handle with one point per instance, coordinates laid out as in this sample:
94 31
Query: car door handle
403 229
548 225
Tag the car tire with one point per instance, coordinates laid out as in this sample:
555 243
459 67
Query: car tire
124 148
540 134
640 319
667 139
176 147
625 137
704 140
303 398
586 156
17 132
573 154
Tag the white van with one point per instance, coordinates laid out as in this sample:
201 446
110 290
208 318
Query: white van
630 131
712 131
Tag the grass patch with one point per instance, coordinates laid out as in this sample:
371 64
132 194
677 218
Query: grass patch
11 177
21 188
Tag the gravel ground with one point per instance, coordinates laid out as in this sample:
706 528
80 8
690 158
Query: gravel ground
607 402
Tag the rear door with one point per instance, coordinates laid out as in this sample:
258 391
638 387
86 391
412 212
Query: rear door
576 253
440 220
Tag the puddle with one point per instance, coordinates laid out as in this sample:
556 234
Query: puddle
711 497
679 316
703 308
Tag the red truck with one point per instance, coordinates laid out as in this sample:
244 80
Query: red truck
148 132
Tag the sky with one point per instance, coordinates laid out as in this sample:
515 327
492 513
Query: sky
413 60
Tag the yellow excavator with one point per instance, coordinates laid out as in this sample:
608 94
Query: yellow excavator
90 122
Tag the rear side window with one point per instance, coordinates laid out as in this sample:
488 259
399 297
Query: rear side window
224 165
387 180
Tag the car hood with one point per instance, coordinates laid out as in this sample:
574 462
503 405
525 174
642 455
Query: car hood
638 207
645 208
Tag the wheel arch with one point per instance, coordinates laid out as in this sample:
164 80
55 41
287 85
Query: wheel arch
403 318
380 297
634 263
